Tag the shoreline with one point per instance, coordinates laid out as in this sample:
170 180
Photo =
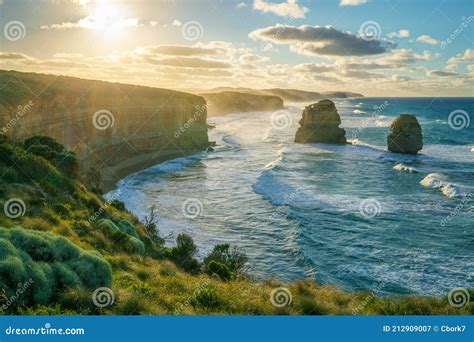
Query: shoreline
111 175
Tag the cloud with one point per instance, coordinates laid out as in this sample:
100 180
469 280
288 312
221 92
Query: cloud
315 68
441 73
290 8
427 40
466 57
13 56
397 59
96 23
214 48
177 23
352 2
251 58
68 55
241 5
322 40
187 62
400 34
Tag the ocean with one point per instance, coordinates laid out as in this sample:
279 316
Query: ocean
355 216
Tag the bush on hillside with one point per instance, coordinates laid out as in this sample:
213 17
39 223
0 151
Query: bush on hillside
123 235
54 152
183 254
230 257
43 140
36 266
220 270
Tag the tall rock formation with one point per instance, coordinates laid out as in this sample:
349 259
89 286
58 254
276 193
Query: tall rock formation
320 124
405 135
115 129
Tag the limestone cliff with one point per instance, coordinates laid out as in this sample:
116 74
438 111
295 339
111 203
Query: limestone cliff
405 135
228 102
115 129
290 95
320 124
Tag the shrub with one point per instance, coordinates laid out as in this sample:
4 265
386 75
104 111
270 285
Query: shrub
207 298
48 263
135 305
61 209
232 258
4 139
183 254
127 228
7 153
220 269
151 228
119 205
68 164
136 246
43 151
37 170
124 235
45 141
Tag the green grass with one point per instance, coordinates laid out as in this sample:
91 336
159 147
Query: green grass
69 255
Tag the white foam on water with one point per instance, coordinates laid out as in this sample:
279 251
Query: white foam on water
405 168
438 181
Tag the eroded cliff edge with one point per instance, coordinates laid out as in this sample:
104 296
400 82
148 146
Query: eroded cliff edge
115 129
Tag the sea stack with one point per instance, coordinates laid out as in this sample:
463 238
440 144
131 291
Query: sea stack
320 124
405 135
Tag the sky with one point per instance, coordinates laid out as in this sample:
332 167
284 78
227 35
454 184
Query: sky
375 47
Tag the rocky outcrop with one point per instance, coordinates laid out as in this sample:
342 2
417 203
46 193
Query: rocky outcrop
115 129
228 102
405 135
320 124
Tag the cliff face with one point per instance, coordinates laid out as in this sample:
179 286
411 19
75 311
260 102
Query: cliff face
291 95
115 129
228 102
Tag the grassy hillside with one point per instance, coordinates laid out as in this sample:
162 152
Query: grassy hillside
61 244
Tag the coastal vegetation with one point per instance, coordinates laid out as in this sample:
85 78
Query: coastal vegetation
61 241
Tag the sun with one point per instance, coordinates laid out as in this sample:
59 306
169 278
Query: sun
107 18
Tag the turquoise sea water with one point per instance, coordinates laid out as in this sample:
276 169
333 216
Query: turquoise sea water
354 216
